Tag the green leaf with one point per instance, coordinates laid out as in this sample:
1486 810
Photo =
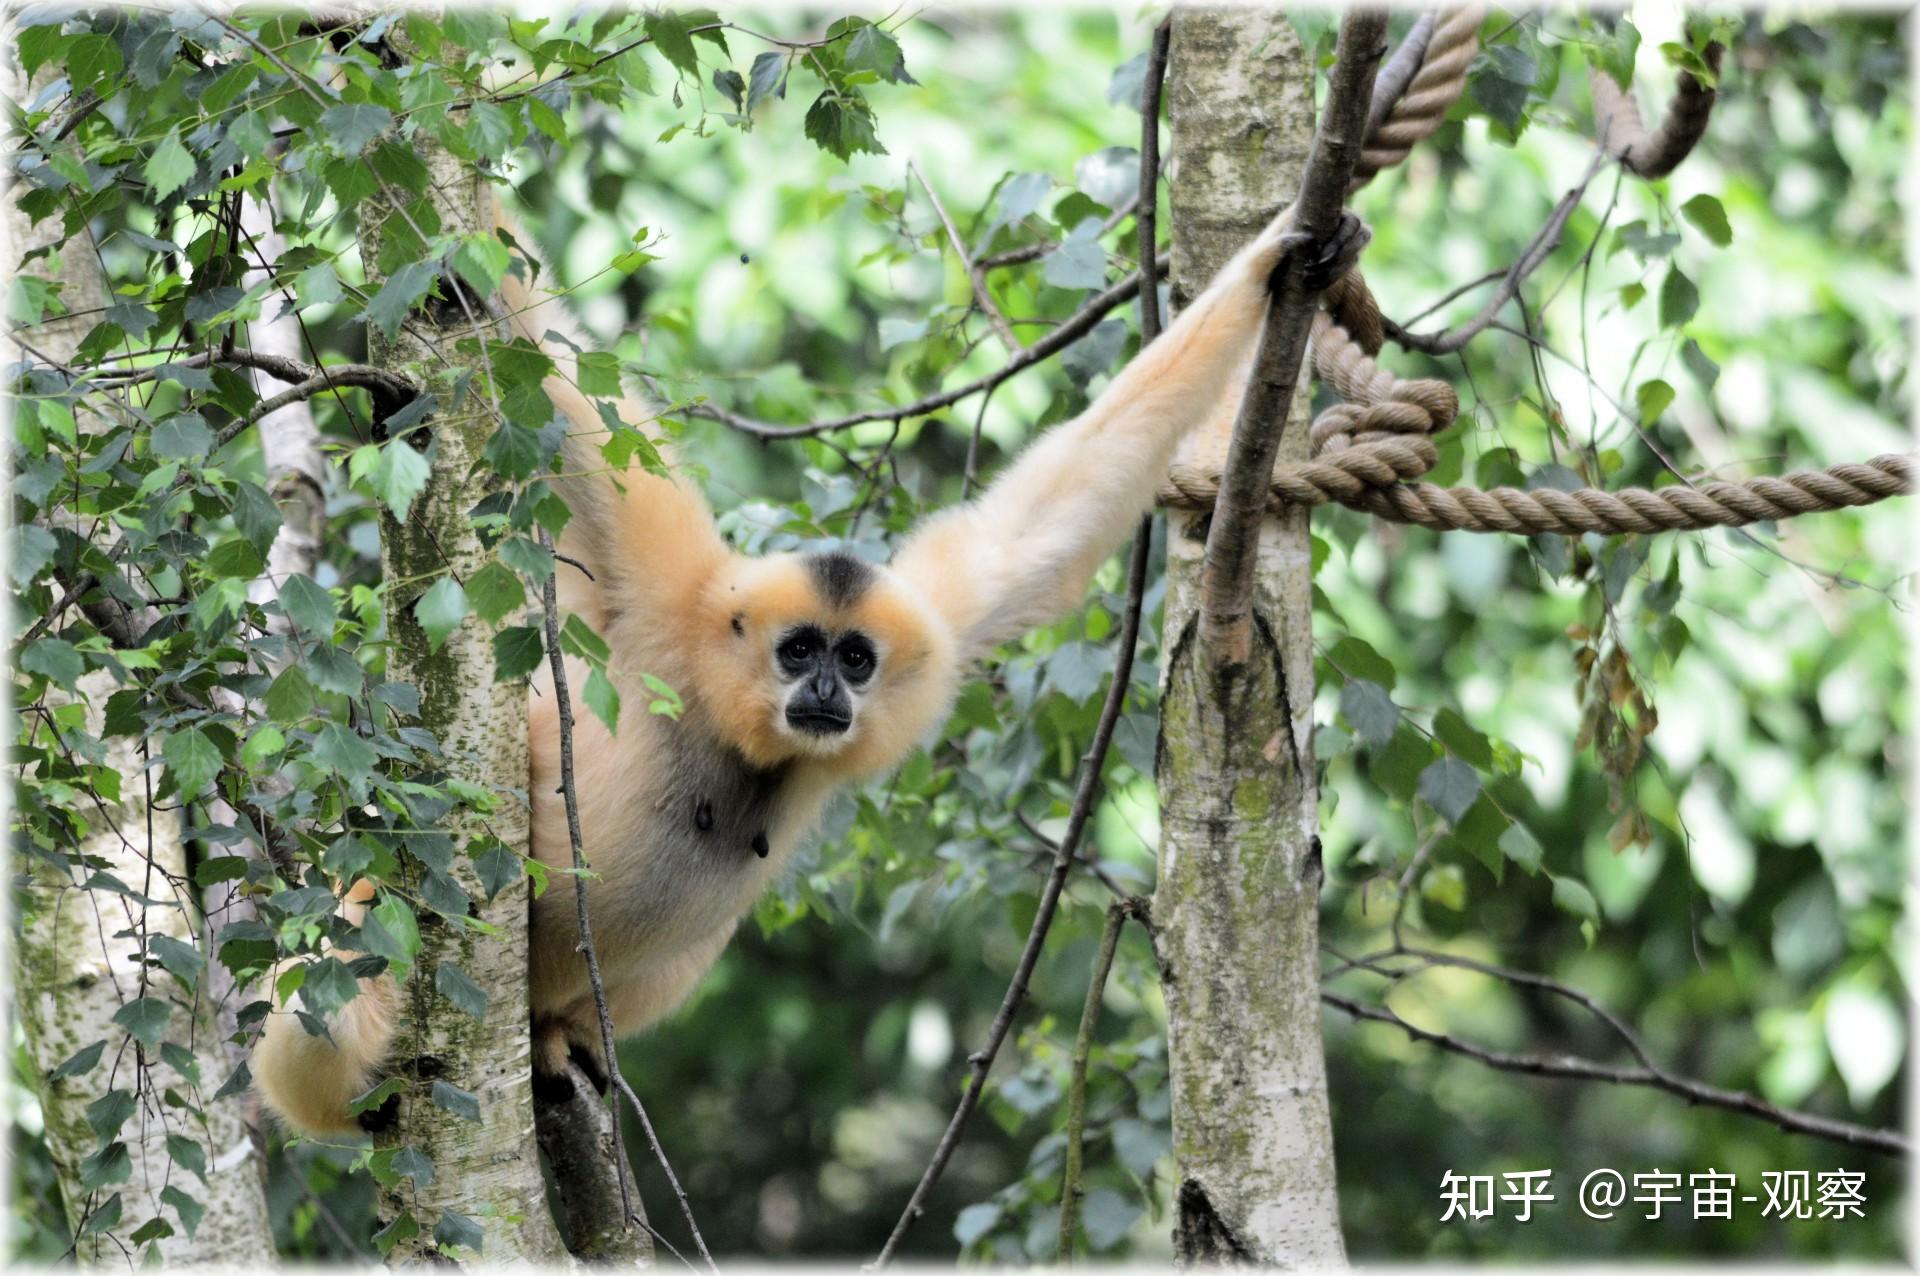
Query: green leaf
498 867
1107 1215
83 1061
328 987
392 931
188 1152
602 699
170 167
181 960
400 476
109 1112
145 1019
1706 213
516 652
453 984
1449 786
1461 739
181 437
190 1210
350 128
335 670
1679 299
56 660
33 548
192 759
482 261
872 49
495 592
1652 398
308 605
91 60
377 1096
668 31
388 308
1571 896
767 77
1369 710
440 610
110 1164
235 559
975 1221
102 1219
338 747
290 697
462 1103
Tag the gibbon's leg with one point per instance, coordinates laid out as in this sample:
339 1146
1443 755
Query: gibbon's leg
1022 553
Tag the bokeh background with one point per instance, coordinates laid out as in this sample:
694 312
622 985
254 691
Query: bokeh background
1751 927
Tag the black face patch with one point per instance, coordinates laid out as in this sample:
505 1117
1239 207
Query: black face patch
840 578
739 631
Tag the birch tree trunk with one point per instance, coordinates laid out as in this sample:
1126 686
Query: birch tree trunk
79 952
485 1172
1236 909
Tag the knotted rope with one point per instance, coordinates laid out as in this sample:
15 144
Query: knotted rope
1367 448
1652 153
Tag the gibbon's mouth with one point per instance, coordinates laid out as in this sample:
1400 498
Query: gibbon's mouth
819 721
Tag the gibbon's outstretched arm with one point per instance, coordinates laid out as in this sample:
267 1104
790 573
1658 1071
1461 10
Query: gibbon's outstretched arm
1022 553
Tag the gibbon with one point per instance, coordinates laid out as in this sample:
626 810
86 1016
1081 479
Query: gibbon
799 673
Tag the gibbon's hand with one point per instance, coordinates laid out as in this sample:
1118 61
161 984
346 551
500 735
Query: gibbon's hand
1322 263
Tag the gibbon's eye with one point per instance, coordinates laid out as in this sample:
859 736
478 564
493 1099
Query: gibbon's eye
799 649
856 659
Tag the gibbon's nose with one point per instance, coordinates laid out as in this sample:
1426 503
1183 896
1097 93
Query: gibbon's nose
820 707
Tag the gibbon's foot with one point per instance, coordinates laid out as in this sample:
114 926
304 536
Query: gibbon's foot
1326 261
589 1067
552 1087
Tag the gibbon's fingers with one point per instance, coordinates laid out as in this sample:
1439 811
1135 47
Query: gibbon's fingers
1023 552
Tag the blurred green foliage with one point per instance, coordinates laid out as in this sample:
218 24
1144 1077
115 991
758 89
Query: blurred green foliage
1676 762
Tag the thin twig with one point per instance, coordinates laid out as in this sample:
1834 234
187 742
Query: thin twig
1060 338
975 274
1072 1189
1538 249
1034 252
1887 1142
1090 768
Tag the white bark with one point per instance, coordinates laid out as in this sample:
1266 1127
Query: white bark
1236 909
74 971
490 1171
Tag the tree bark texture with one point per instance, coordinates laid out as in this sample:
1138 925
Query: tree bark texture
78 952
486 1171
1236 908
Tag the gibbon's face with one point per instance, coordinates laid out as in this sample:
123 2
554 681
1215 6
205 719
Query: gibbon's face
828 649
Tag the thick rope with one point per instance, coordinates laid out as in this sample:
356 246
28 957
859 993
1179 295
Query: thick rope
1368 448
1656 152
1435 87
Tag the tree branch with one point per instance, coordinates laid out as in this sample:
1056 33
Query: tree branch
1060 338
1072 1188
1886 1142
976 275
1538 249
1226 603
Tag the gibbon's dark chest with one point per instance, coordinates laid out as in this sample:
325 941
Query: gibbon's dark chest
711 801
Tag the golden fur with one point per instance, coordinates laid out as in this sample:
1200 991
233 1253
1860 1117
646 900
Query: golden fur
687 822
